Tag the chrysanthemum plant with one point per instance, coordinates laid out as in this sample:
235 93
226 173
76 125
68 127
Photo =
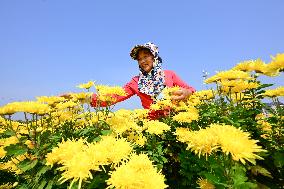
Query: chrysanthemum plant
224 137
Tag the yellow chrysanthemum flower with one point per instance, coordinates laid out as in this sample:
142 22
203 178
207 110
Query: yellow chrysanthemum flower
74 166
20 127
205 184
9 141
236 142
230 139
107 90
200 142
252 65
165 102
271 69
2 152
6 142
65 151
162 104
182 134
193 100
136 138
62 115
11 165
121 121
204 94
107 93
82 97
188 116
180 106
274 92
265 126
87 157
2 120
66 105
29 107
109 150
168 91
277 63
8 109
228 75
140 140
77 168
237 86
155 127
86 85
7 186
260 116
30 144
96 117
50 100
140 114
155 106
137 173
36 108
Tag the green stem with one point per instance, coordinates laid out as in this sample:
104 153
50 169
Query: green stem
27 122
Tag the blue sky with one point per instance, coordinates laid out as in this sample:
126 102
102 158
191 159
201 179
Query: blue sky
47 47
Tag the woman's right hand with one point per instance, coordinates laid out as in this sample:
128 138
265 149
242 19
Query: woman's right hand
181 94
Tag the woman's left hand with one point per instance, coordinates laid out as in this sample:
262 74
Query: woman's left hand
181 94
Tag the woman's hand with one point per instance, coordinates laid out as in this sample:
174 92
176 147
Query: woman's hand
181 94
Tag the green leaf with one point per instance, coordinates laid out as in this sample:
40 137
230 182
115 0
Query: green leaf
229 120
98 181
212 178
106 132
42 184
74 186
97 139
43 170
23 139
49 185
279 159
84 131
239 179
9 133
15 150
264 86
27 164
23 186
246 185
165 160
260 170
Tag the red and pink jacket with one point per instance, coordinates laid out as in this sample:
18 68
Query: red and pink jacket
131 88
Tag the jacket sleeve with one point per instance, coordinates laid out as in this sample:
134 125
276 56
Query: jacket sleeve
128 88
177 81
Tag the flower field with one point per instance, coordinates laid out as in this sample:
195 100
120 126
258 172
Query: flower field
223 137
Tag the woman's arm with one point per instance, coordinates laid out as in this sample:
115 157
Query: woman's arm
179 82
185 90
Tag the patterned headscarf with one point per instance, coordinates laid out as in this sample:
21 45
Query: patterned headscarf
151 83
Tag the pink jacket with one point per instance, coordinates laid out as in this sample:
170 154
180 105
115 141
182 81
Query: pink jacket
131 88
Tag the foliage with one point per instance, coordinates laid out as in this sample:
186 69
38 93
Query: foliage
225 137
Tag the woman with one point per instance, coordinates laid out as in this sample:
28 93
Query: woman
152 79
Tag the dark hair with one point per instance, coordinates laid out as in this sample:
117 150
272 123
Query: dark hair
146 49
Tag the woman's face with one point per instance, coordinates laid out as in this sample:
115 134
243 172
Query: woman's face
145 60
